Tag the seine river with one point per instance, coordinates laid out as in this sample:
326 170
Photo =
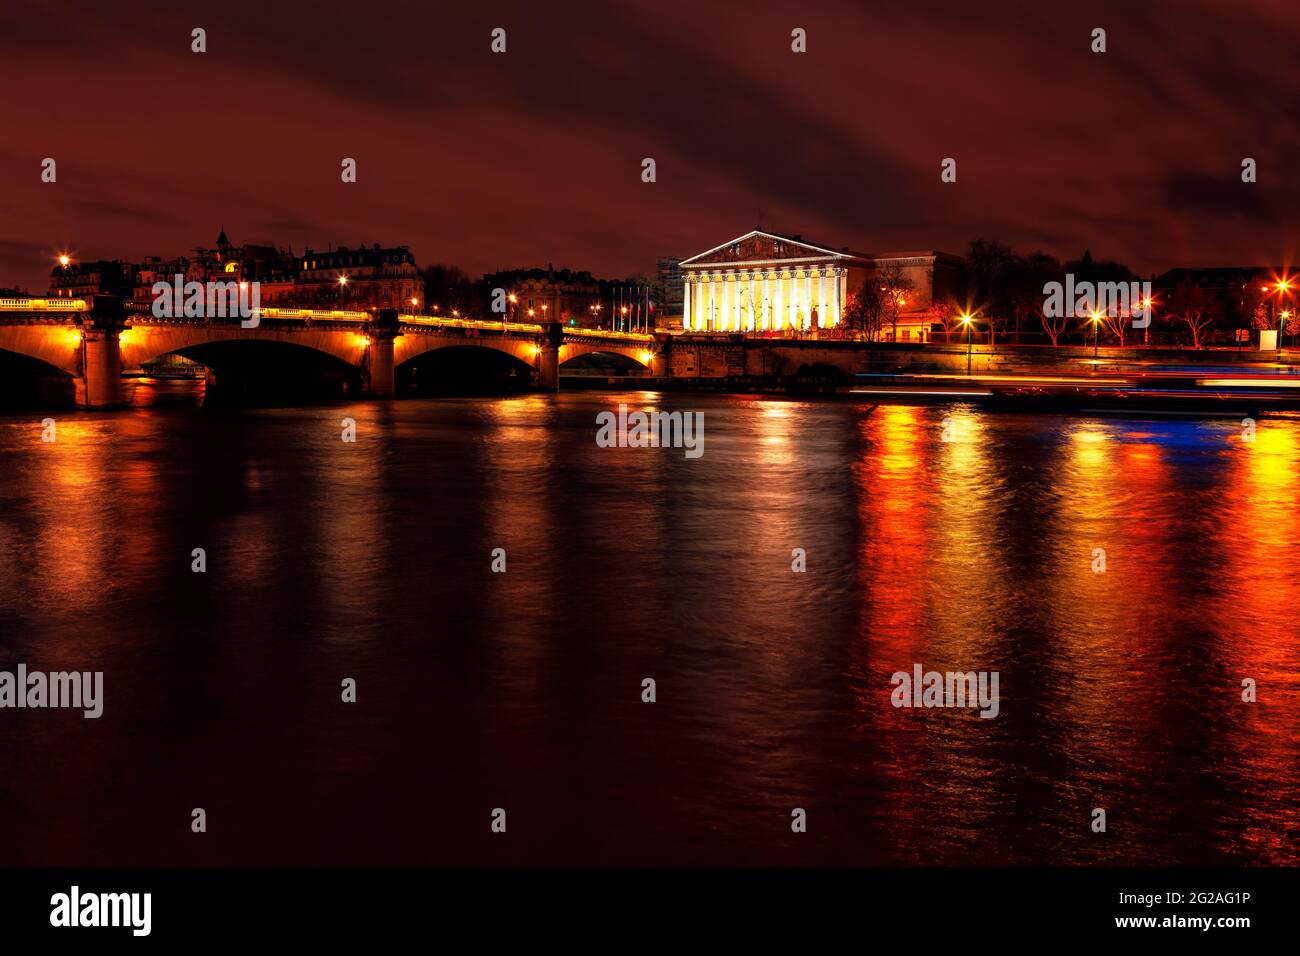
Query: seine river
943 536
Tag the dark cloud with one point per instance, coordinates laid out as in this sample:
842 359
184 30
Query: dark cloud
490 161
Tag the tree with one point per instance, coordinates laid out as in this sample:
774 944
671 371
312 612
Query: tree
948 311
1101 272
450 288
989 266
862 313
1026 278
1197 309
894 287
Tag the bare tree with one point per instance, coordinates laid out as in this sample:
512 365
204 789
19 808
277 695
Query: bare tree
894 288
948 311
863 312
1195 308
1117 322
1026 278
1055 325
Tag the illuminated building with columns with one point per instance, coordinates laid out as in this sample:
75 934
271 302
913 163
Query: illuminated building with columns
763 282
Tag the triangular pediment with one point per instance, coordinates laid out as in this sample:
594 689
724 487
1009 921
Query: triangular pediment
760 246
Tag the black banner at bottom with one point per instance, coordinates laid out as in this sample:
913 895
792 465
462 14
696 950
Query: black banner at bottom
812 906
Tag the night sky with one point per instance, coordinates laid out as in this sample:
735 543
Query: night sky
492 161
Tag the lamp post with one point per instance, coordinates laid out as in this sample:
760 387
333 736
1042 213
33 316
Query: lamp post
1283 288
1096 327
966 320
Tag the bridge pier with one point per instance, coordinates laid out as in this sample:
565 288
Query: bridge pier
100 383
383 332
661 363
548 356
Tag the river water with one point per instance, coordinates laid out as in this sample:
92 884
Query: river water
940 535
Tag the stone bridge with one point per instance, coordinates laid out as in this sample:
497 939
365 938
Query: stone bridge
92 342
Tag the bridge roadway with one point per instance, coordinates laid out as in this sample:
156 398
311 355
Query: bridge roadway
92 342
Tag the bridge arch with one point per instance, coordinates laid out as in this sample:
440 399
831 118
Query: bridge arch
581 355
464 366
58 346
143 344
411 345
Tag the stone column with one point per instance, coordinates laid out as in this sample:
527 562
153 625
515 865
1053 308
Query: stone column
101 371
788 292
712 285
838 314
548 356
767 298
747 300
382 331
807 289
686 305
735 301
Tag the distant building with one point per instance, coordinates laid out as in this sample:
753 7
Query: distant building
81 280
376 276
767 282
669 293
537 295
1228 281
362 277
1249 295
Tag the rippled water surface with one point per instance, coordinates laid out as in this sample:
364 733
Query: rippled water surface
328 560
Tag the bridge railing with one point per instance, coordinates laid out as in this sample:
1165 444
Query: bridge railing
605 333
438 321
316 315
43 305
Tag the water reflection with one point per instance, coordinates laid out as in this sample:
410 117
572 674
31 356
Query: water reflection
944 536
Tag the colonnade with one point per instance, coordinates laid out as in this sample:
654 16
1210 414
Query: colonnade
762 299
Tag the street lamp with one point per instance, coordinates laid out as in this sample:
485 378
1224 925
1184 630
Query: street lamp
966 319
1146 309
1283 287
1096 326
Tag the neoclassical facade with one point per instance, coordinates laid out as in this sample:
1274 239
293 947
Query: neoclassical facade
762 281
766 284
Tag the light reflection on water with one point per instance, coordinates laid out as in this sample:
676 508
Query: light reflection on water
522 690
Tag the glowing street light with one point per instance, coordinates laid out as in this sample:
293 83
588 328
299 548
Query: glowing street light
966 320
1096 326
343 280
65 260
1147 303
1283 287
